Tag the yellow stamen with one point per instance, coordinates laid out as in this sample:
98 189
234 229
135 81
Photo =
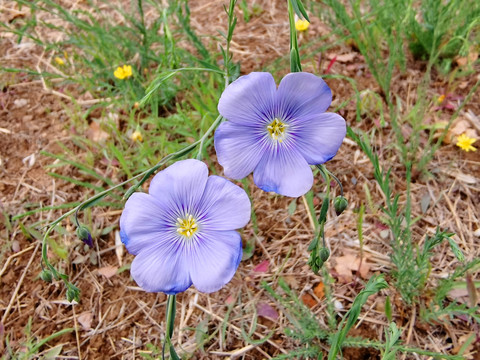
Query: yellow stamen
187 226
277 130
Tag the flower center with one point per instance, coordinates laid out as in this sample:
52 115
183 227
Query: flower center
277 130
187 226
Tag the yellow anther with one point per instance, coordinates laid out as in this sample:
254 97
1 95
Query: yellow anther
187 226
277 130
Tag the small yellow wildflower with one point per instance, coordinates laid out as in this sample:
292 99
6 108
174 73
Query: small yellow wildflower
301 25
59 61
441 99
123 72
136 136
465 143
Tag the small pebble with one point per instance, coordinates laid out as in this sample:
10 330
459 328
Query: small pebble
15 246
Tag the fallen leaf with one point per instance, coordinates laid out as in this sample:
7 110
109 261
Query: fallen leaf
465 178
85 319
267 311
291 282
53 353
459 295
319 290
108 271
308 300
345 265
262 267
425 202
95 133
458 128
469 59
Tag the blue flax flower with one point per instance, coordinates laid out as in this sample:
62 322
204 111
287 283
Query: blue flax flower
277 133
183 231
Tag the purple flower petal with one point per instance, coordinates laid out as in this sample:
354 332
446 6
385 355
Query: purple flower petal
180 186
214 259
163 266
142 220
249 99
301 95
238 148
224 206
319 139
284 171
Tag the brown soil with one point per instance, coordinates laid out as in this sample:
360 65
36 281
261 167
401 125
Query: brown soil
117 320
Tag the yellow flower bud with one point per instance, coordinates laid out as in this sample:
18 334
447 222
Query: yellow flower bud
301 25
136 136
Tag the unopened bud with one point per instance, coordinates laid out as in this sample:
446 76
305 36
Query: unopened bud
84 235
73 293
340 203
324 254
46 275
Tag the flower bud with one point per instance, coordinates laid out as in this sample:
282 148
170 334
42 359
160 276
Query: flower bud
73 293
340 203
46 275
324 254
84 235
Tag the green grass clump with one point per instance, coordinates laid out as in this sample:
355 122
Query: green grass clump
312 337
383 32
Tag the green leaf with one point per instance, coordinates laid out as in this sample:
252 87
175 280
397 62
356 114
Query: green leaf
456 250
300 9
388 309
295 65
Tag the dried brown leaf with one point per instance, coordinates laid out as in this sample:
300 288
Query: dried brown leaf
85 319
345 265
308 300
108 271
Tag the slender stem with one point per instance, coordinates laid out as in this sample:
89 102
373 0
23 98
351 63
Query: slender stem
295 65
336 180
293 30
170 322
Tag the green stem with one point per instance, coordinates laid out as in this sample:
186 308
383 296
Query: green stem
295 65
336 180
170 322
